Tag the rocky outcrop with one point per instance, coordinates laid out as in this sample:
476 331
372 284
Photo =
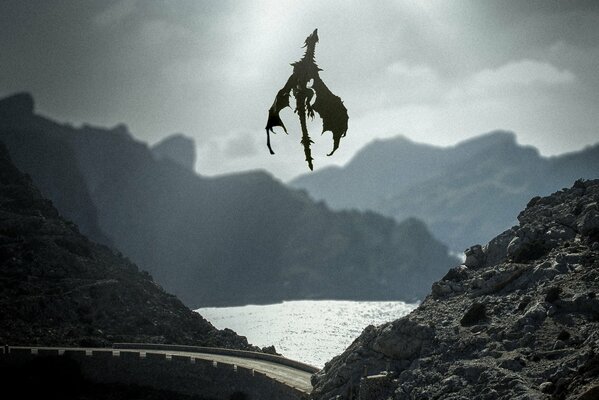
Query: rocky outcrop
518 320
59 288
177 148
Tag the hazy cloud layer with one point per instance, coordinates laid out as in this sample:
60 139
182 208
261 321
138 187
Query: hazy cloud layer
435 71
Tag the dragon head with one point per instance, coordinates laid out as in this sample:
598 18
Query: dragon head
312 39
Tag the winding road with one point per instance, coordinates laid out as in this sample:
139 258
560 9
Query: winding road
288 372
288 375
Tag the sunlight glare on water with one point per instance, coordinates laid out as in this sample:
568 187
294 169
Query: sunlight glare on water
312 331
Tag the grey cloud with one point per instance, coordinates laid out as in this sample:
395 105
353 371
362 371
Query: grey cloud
240 146
435 71
115 12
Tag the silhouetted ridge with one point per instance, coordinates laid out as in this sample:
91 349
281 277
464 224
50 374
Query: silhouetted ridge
59 288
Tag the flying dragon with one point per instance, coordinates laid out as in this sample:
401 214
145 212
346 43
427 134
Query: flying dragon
305 83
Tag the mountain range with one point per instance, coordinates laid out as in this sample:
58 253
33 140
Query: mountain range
228 240
464 193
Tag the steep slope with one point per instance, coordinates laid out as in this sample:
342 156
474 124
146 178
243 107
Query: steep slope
519 320
464 193
57 287
52 165
243 238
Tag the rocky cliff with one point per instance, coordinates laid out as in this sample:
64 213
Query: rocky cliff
518 320
58 287
51 163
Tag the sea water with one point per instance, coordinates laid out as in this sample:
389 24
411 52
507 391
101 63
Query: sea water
311 331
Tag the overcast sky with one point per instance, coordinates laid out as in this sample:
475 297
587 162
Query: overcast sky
435 71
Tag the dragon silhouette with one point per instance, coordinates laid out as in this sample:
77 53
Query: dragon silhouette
305 83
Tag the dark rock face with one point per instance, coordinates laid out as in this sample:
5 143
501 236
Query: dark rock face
57 287
521 321
54 169
476 313
465 193
177 148
230 240
17 106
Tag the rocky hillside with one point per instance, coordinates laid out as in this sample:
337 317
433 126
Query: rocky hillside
465 193
230 240
57 287
519 320
51 164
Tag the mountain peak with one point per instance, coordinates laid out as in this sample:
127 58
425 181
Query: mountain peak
178 148
17 106
394 139
490 139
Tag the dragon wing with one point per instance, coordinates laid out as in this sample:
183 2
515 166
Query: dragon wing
331 110
281 101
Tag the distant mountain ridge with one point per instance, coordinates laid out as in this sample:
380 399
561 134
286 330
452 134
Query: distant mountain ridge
177 148
464 193
236 239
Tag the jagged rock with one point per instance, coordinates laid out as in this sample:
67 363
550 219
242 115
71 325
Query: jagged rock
591 393
526 248
375 387
546 387
535 315
450 283
589 223
563 335
402 339
441 289
270 350
553 294
541 317
475 256
496 250
456 274
476 313
512 364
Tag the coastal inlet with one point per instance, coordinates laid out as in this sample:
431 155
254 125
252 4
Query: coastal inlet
311 331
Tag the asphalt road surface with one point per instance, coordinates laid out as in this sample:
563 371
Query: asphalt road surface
290 376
